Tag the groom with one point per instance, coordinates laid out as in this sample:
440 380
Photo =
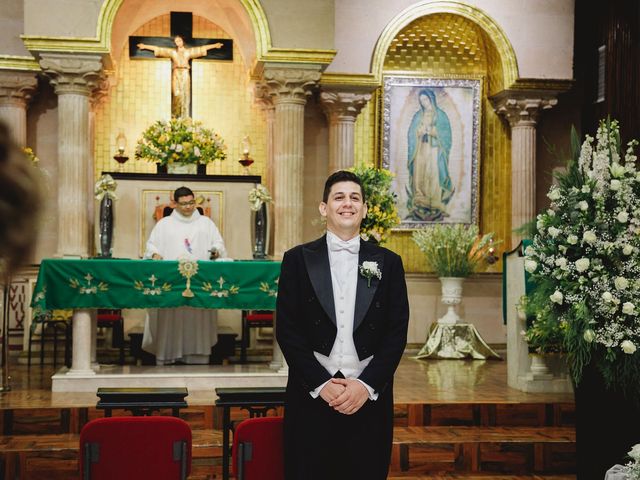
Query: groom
342 316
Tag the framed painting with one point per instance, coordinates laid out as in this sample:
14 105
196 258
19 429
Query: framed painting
431 142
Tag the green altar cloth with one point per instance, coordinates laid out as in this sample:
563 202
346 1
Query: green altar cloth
123 283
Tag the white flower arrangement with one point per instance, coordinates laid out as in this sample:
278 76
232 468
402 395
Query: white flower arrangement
585 261
632 469
369 270
257 196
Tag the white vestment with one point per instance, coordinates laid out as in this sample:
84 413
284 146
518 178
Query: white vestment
185 333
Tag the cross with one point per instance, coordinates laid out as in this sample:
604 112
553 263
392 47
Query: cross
221 281
209 49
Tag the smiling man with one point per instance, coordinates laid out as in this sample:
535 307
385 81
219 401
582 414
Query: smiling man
342 316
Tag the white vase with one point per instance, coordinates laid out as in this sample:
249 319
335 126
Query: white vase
185 168
451 296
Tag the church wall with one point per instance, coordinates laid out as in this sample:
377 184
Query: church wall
11 27
534 29
61 18
301 23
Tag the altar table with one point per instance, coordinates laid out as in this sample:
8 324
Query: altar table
84 285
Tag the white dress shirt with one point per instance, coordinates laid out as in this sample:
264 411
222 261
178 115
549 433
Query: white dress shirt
343 261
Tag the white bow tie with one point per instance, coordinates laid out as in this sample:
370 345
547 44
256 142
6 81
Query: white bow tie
352 246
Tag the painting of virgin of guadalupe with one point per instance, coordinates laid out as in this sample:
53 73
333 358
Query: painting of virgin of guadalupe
430 143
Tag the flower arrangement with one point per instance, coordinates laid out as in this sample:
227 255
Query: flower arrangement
454 250
585 261
257 196
105 186
30 154
180 140
382 214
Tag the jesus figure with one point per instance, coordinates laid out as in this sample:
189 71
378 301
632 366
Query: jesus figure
180 78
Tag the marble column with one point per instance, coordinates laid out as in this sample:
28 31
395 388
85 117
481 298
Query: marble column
73 77
342 109
522 111
263 99
288 89
16 89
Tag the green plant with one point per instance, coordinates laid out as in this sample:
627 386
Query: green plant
180 140
382 214
454 250
585 259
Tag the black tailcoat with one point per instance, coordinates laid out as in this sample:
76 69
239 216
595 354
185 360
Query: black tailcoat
306 322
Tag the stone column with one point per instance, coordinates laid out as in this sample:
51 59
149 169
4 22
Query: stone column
342 109
16 89
288 89
74 77
264 100
522 110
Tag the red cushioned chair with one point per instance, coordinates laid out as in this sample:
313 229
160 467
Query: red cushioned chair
252 319
257 449
112 318
135 448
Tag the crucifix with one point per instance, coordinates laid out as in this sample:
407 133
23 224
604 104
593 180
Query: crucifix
175 48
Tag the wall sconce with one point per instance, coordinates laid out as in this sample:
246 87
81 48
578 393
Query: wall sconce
121 146
246 160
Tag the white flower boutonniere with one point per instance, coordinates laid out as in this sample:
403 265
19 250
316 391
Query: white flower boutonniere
369 270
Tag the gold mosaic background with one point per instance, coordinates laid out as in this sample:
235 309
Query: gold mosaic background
222 100
445 46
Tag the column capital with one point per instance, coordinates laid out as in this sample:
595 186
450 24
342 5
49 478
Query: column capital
76 74
523 107
17 88
101 91
289 85
345 106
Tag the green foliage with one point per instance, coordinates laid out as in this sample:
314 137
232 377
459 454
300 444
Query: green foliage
180 140
382 214
453 250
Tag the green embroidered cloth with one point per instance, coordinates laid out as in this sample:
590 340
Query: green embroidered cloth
123 283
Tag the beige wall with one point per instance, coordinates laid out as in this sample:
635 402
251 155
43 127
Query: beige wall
61 18
534 28
11 27
301 23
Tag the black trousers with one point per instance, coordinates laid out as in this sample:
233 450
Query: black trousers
322 444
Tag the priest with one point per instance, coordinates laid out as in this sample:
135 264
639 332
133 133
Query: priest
185 334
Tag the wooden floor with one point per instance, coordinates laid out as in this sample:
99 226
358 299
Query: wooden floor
416 381
454 419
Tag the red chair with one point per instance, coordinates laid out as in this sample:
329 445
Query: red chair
257 449
112 318
135 448
252 319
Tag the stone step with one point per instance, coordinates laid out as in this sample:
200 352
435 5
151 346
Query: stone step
507 450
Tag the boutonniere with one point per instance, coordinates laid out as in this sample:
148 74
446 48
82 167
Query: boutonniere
369 270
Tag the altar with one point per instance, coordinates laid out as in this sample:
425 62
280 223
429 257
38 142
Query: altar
85 285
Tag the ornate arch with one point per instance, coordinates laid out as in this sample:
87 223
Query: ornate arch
254 10
493 30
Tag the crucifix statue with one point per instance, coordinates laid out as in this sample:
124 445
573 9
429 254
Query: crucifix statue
180 56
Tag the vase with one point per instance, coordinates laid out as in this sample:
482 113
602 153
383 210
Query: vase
106 226
182 168
451 296
260 232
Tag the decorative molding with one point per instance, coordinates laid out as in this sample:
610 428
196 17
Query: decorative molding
15 62
349 81
298 55
17 87
522 107
289 84
343 105
430 7
553 86
80 74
